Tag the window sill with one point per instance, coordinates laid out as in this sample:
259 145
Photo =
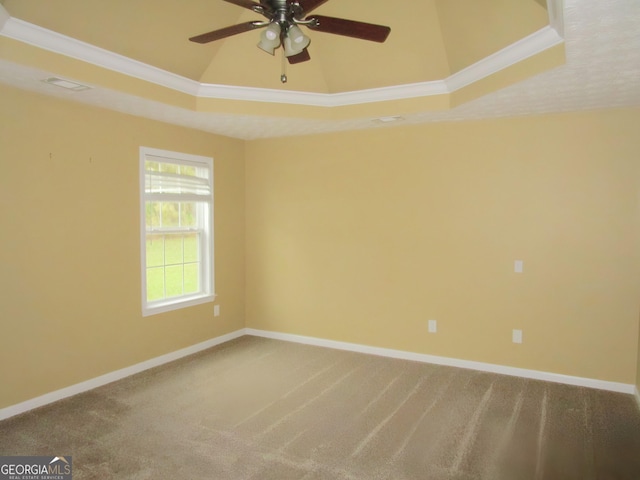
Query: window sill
176 304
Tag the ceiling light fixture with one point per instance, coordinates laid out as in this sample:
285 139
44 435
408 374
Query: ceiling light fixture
270 38
68 84
295 41
292 41
284 18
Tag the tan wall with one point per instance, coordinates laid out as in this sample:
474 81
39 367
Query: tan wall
70 244
638 367
362 237
359 237
638 256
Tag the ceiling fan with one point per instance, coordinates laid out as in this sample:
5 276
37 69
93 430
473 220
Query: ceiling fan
282 27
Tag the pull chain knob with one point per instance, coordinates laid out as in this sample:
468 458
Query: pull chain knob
283 64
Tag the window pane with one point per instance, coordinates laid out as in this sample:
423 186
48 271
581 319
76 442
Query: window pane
153 214
188 216
155 250
173 249
191 247
191 278
173 278
155 283
150 166
170 214
169 167
188 170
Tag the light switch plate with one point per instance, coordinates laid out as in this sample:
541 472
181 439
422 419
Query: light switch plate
433 326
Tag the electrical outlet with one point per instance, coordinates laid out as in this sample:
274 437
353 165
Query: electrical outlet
216 310
518 266
433 326
517 336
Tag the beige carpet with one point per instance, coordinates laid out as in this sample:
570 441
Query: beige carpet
262 409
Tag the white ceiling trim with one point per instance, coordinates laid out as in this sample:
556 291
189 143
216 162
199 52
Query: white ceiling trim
55 42
529 46
61 44
555 8
398 92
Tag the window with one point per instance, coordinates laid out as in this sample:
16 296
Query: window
176 212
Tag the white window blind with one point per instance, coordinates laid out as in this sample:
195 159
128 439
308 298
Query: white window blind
164 177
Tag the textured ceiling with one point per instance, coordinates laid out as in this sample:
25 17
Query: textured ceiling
602 43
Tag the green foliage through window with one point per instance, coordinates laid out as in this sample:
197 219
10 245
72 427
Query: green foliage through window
172 265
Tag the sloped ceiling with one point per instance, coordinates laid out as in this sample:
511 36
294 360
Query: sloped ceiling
430 39
443 58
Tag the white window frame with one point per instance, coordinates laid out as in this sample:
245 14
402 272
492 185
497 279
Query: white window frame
207 277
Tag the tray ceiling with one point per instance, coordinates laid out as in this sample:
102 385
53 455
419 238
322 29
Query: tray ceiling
444 60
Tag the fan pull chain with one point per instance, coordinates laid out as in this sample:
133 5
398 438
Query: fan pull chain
283 76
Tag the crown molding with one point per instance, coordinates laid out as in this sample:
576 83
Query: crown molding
396 92
555 9
70 47
323 99
533 44
61 44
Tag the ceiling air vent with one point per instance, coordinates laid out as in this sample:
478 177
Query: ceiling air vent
68 84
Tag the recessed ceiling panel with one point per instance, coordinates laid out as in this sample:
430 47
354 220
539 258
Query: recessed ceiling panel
474 29
414 51
155 32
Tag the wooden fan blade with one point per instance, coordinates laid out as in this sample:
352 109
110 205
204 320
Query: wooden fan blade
350 28
309 5
226 32
303 56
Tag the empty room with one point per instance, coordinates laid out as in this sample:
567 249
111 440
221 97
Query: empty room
319 239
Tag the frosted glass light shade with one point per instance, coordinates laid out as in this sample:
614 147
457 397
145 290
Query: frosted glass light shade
295 41
270 38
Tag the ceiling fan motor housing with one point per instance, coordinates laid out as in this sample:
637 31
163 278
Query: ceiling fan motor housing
281 13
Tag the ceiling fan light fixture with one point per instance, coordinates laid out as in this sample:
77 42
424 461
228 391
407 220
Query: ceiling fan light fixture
270 38
295 41
290 49
296 35
282 27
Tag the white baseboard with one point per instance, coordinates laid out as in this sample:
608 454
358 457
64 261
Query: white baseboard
352 347
113 376
452 362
